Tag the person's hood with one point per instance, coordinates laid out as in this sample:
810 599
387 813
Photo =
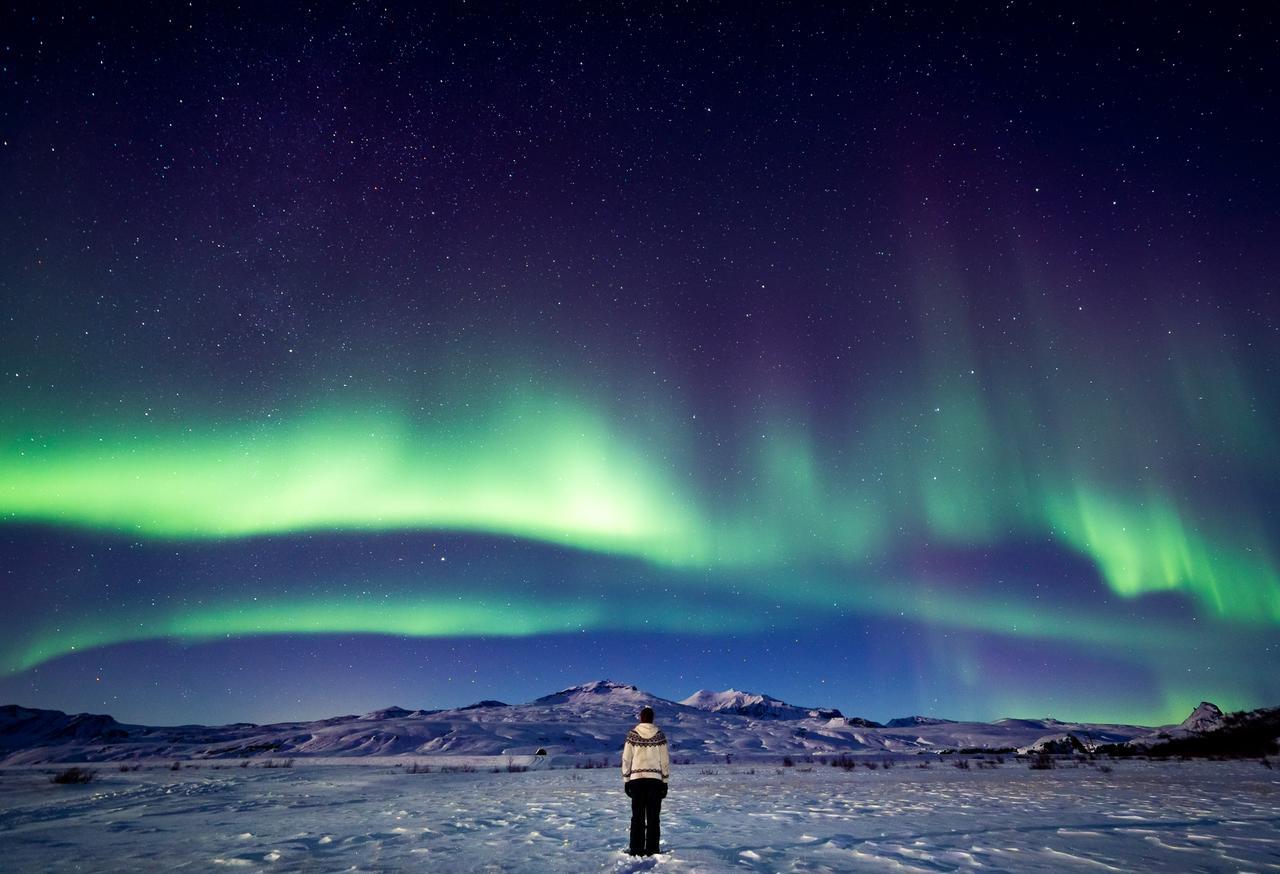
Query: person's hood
646 729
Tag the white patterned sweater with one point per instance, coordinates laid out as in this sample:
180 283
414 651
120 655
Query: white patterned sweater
645 754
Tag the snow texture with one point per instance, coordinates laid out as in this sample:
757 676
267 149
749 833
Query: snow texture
376 815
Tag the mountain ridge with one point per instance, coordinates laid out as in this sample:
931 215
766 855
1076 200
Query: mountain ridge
755 705
586 720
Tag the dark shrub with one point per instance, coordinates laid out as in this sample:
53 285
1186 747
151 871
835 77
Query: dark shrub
1043 762
73 775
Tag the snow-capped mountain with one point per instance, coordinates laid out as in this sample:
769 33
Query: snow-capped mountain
859 722
754 706
582 722
912 721
1206 717
29 727
602 696
395 713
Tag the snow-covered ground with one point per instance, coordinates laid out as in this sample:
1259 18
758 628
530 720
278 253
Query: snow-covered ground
372 815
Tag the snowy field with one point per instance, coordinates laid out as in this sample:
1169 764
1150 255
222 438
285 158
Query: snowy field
362 816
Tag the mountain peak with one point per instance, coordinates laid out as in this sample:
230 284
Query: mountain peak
1206 717
607 692
708 699
754 705
598 687
391 712
913 721
605 687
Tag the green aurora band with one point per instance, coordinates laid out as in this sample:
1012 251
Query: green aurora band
567 480
491 615
952 448
510 613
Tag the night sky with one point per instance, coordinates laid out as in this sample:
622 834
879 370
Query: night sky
898 359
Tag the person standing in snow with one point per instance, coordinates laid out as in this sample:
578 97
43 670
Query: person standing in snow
646 767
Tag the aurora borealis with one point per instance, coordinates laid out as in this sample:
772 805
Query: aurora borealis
901 360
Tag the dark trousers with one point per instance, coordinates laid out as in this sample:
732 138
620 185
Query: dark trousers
646 805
